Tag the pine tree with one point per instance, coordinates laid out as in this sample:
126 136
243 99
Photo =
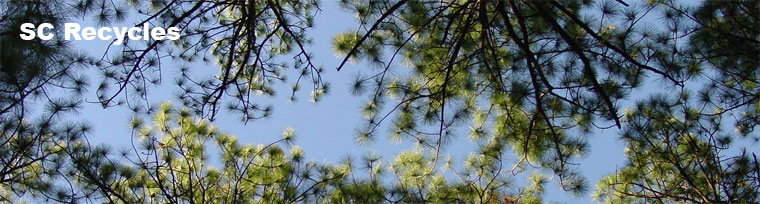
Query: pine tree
682 148
170 162
523 74
241 38
39 82
535 77
531 80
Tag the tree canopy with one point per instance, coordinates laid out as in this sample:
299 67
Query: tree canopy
530 81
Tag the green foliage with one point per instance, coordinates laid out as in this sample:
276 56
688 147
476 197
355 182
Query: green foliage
533 78
39 82
676 154
242 38
680 148
511 64
529 80
170 162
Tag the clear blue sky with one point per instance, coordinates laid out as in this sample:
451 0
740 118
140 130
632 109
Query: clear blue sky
325 130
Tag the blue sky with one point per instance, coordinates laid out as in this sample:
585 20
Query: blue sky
325 130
